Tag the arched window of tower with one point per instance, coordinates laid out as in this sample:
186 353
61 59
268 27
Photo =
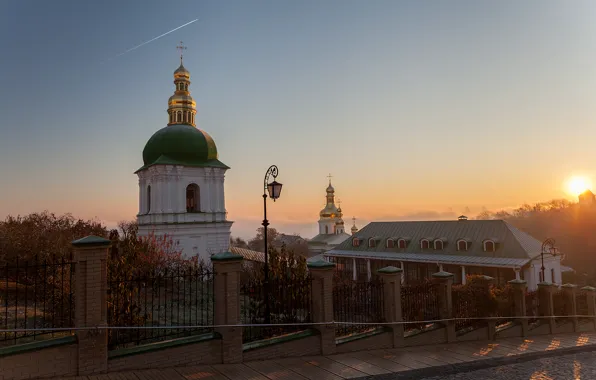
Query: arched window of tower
148 199
193 197
326 230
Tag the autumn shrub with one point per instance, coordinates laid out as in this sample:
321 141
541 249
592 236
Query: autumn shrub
43 236
140 263
289 287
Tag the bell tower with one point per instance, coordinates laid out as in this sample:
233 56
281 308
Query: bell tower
181 182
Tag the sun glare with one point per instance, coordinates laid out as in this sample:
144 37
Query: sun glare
577 185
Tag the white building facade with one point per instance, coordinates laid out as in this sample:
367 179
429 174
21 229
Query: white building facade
181 184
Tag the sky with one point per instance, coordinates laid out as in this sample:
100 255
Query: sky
419 109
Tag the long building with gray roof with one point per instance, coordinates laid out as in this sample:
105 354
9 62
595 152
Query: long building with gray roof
463 247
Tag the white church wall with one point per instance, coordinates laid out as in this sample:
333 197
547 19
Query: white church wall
532 272
205 232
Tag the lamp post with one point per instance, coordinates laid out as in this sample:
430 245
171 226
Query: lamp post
550 243
274 190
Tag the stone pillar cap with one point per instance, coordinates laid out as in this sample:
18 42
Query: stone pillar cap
588 288
442 274
91 241
390 270
545 283
517 282
571 286
226 256
320 264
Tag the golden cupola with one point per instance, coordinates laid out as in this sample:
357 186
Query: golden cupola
181 106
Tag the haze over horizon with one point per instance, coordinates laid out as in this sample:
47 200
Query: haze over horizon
419 110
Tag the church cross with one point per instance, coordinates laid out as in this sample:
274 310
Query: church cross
329 176
354 220
181 48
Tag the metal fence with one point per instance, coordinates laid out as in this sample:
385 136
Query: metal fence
356 302
289 302
559 306
419 303
581 302
36 295
505 305
470 302
180 297
532 306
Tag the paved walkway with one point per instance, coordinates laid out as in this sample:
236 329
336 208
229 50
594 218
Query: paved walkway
389 363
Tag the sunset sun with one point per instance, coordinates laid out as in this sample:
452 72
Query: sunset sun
577 185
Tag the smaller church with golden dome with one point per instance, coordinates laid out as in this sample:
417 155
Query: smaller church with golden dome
331 225
181 182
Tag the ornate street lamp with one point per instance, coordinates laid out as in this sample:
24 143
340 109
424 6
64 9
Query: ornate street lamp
274 190
550 244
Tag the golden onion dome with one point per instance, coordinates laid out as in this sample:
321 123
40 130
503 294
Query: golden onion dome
181 72
329 211
181 100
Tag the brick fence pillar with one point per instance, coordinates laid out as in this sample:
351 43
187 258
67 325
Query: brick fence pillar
591 298
391 277
545 304
322 303
91 276
519 288
227 267
569 292
444 282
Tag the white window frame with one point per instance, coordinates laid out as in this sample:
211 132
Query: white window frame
489 241
462 241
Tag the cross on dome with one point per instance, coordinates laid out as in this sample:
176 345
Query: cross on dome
181 48
329 176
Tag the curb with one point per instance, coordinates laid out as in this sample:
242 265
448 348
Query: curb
450 369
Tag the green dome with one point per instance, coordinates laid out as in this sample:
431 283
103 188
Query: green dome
181 144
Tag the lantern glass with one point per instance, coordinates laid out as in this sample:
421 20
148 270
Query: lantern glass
274 189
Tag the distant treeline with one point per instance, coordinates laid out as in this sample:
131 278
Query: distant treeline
572 225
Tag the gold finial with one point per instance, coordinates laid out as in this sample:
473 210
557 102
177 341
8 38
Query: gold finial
181 48
354 220
339 202
329 176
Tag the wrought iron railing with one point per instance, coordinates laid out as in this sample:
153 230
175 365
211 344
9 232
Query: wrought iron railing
505 305
560 307
469 304
36 295
289 303
419 303
359 304
532 306
175 297
581 302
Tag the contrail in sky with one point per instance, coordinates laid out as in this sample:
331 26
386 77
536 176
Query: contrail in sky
151 40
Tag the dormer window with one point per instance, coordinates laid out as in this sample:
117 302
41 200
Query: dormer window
372 243
355 242
401 243
489 246
462 245
424 244
390 243
439 244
